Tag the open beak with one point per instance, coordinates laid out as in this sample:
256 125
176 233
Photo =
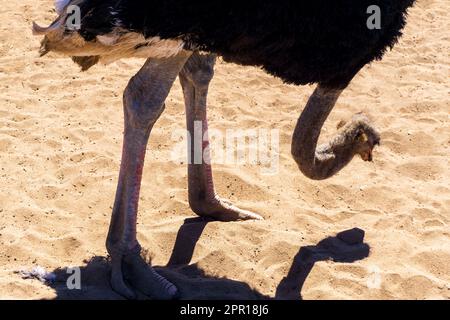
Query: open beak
367 156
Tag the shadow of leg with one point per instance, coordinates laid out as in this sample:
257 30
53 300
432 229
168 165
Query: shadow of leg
187 238
346 247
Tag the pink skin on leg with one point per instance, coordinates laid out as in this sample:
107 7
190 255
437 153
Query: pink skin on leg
210 191
134 201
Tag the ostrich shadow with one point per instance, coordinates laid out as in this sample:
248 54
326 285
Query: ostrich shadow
346 247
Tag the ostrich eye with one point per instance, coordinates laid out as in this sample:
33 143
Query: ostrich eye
362 137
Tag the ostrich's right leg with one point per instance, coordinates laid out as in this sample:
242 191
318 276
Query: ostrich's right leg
143 104
195 78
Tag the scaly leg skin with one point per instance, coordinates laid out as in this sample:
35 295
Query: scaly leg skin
143 104
195 78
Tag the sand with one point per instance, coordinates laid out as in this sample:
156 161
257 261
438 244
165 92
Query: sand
60 146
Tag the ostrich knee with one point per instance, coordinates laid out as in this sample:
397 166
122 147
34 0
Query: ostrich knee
199 71
141 109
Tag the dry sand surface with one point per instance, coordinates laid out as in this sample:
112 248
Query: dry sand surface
60 147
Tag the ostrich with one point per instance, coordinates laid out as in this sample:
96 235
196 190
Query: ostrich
302 42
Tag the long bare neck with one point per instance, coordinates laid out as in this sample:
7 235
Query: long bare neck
320 162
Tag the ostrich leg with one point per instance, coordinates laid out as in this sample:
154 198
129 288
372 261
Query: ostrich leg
143 104
195 78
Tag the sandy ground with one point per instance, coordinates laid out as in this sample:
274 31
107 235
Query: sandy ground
60 146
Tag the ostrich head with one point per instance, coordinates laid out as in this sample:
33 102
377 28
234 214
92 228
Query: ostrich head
363 136
366 142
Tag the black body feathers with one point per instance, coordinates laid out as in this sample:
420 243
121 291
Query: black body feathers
315 41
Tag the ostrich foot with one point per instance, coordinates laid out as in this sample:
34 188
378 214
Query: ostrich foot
130 273
222 210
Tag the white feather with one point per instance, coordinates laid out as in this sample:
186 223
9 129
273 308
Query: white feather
60 5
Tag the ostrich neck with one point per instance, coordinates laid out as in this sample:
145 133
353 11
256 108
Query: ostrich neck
320 162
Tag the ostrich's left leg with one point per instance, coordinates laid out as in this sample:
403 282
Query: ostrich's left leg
195 78
143 104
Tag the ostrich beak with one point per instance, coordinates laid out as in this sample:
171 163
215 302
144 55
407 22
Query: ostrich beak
367 156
